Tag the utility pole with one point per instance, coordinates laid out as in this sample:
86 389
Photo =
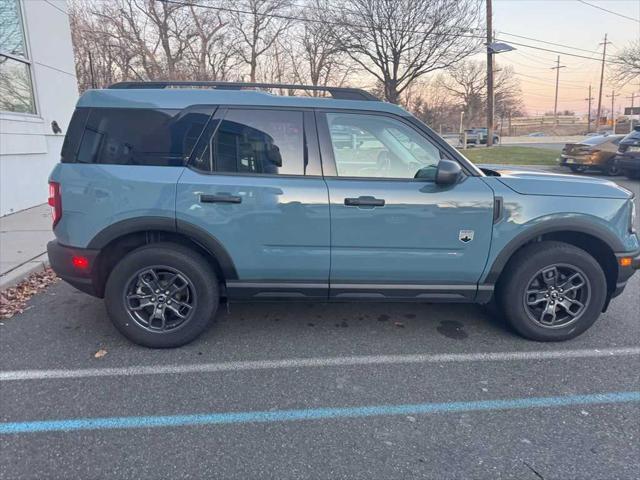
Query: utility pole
555 105
489 74
632 98
589 99
613 113
604 55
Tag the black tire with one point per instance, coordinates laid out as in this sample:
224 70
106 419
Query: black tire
200 292
577 168
517 281
611 169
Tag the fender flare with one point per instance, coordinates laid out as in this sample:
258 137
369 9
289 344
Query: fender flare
163 224
556 225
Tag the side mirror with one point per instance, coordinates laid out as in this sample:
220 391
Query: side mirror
448 172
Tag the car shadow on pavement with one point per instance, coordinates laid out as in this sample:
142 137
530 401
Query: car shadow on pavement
72 327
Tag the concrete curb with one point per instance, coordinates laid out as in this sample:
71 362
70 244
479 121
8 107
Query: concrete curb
18 274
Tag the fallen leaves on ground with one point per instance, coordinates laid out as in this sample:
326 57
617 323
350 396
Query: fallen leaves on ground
14 300
100 353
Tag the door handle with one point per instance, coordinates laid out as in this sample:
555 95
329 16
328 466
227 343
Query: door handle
220 198
364 202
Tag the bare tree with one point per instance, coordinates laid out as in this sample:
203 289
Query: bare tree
433 104
101 55
259 23
466 82
398 41
317 57
213 53
627 66
151 40
507 92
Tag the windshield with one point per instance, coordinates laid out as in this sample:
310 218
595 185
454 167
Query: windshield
632 137
594 140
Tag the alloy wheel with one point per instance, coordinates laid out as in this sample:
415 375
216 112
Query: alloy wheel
160 299
557 296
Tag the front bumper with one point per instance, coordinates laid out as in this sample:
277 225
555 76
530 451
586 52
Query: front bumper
61 258
627 271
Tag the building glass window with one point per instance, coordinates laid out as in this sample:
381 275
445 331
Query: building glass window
16 89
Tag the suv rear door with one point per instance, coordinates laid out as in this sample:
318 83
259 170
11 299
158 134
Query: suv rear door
393 235
254 184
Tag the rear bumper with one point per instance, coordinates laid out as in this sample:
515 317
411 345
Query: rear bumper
578 161
625 273
61 259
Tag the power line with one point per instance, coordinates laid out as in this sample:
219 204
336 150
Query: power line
609 11
565 83
547 42
326 22
561 52
321 21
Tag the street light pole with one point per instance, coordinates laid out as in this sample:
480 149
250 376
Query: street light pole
489 74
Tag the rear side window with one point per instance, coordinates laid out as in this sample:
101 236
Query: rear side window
256 142
132 136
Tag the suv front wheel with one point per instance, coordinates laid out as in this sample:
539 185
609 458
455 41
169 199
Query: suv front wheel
552 291
162 295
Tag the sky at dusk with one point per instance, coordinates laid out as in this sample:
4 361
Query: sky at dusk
571 23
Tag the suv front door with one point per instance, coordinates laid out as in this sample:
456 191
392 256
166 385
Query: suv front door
393 235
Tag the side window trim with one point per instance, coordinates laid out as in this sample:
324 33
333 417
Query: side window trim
208 132
329 166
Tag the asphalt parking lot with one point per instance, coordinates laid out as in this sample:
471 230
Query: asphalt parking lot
319 391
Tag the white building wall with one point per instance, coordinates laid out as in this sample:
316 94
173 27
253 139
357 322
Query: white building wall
28 147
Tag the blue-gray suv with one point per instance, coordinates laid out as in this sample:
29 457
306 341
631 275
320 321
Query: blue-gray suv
171 197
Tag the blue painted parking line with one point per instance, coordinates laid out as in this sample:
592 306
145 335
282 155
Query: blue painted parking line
313 414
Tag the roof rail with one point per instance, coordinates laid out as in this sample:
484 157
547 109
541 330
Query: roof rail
339 93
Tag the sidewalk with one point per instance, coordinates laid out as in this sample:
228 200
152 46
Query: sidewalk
23 243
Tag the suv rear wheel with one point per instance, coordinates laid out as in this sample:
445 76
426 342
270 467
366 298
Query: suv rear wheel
162 295
552 291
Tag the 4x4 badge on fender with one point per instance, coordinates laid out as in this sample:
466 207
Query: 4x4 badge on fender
465 236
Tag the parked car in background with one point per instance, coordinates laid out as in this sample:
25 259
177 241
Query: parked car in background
628 155
592 152
478 136
537 134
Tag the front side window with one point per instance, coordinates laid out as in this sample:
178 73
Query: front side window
376 146
136 136
16 90
256 142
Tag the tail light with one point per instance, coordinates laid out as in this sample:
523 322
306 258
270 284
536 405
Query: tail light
55 201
